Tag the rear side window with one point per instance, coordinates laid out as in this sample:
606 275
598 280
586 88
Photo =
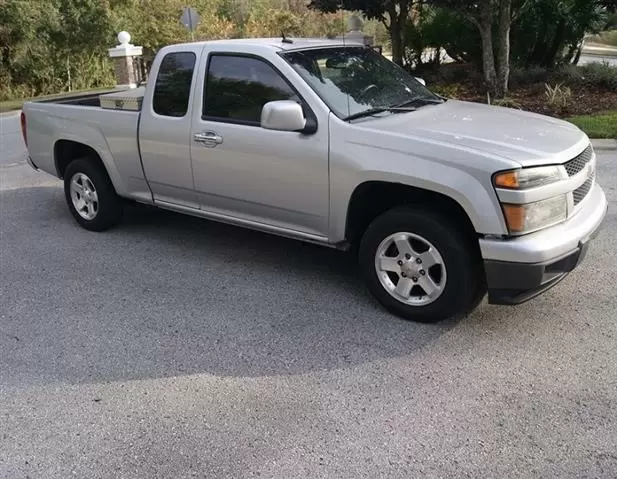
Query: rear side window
238 87
173 84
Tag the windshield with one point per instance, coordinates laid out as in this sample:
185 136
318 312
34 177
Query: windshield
351 80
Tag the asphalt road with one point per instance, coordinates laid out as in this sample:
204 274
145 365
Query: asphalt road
12 149
175 347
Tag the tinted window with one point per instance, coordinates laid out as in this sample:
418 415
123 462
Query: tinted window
238 87
173 84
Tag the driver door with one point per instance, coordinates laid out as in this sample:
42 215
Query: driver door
273 178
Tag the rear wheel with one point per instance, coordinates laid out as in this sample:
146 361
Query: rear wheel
90 195
420 265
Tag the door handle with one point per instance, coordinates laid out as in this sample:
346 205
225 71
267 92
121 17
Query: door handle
209 139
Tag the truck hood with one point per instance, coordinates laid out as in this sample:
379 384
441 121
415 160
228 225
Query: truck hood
526 138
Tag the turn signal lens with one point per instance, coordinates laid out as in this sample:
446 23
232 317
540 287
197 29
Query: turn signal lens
515 217
534 216
527 177
509 179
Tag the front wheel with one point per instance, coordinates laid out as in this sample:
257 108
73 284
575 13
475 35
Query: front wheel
90 195
419 265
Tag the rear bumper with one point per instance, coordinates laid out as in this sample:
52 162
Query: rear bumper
543 262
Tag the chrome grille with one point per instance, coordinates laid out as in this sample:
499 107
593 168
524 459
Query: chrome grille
577 164
580 193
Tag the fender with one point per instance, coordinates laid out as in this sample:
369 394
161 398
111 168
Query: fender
354 163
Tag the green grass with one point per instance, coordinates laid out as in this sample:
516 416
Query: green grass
602 125
12 105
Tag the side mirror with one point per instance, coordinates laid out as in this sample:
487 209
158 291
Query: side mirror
421 81
283 115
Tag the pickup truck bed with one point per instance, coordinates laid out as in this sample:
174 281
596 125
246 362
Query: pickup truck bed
107 99
111 137
79 99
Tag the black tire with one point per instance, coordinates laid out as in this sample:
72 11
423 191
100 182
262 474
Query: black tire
109 205
464 287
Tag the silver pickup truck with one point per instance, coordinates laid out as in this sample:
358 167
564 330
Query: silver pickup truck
442 201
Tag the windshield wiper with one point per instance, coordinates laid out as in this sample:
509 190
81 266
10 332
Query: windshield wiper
378 109
416 99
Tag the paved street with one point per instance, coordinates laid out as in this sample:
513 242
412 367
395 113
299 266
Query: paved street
11 143
175 347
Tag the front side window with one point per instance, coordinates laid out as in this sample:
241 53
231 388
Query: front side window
172 90
351 80
238 87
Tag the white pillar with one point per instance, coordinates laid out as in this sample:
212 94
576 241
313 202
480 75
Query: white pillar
123 55
355 34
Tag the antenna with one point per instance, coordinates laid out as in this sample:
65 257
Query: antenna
285 39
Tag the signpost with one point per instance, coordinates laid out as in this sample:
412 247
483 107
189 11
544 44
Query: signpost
190 19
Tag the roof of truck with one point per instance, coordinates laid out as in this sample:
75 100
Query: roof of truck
279 44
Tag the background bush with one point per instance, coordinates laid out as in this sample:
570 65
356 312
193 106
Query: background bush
53 46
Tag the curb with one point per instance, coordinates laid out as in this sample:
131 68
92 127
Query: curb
604 145
9 113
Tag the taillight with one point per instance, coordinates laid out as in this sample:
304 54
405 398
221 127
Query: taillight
24 133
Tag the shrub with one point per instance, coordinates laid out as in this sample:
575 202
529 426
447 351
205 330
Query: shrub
453 90
570 74
558 96
449 73
507 103
600 74
528 76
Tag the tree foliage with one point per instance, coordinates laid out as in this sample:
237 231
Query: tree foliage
46 44
550 32
494 33
50 46
493 20
393 14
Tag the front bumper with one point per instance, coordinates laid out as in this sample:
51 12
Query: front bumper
521 268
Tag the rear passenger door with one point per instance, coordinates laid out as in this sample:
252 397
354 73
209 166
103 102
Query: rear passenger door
164 128
276 178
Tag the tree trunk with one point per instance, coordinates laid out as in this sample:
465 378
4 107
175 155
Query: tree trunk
579 52
572 50
488 60
503 48
557 44
485 25
397 43
68 72
396 29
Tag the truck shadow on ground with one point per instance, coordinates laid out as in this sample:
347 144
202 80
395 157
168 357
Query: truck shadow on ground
166 295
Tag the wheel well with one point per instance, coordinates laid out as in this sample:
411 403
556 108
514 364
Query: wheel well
373 198
65 151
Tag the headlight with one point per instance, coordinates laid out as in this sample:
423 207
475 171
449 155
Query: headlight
527 177
534 216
